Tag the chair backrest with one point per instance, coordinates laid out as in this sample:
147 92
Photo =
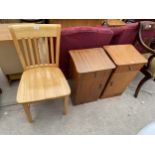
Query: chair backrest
37 44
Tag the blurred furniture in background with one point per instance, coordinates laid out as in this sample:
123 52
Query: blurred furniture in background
124 34
90 70
10 21
0 90
128 62
114 22
38 46
146 38
9 61
37 21
136 20
7 21
76 22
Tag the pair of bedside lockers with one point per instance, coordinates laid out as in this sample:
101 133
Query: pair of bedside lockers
103 72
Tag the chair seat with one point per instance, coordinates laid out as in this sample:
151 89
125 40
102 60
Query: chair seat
42 83
151 68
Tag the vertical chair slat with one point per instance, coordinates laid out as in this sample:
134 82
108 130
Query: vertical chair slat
26 52
31 51
20 54
52 50
47 50
36 50
41 49
57 50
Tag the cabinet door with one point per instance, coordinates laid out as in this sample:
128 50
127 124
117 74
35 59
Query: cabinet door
120 79
90 86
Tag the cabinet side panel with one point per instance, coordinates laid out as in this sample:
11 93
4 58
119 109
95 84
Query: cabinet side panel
9 61
73 80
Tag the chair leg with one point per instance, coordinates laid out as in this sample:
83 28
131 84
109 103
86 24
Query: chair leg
65 104
146 78
27 111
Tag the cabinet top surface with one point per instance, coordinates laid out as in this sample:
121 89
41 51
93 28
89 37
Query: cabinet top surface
125 54
90 60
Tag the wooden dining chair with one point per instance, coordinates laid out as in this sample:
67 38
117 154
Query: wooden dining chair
37 46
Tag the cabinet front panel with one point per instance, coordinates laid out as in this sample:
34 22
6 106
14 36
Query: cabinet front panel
119 81
90 86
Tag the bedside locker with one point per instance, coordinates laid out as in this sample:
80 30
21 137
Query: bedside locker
90 70
128 62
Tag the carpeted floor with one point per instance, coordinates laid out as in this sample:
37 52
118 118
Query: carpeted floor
117 115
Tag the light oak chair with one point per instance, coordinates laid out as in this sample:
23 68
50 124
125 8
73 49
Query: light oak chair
38 48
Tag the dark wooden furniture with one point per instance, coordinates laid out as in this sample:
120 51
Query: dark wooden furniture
0 91
149 69
128 62
90 70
